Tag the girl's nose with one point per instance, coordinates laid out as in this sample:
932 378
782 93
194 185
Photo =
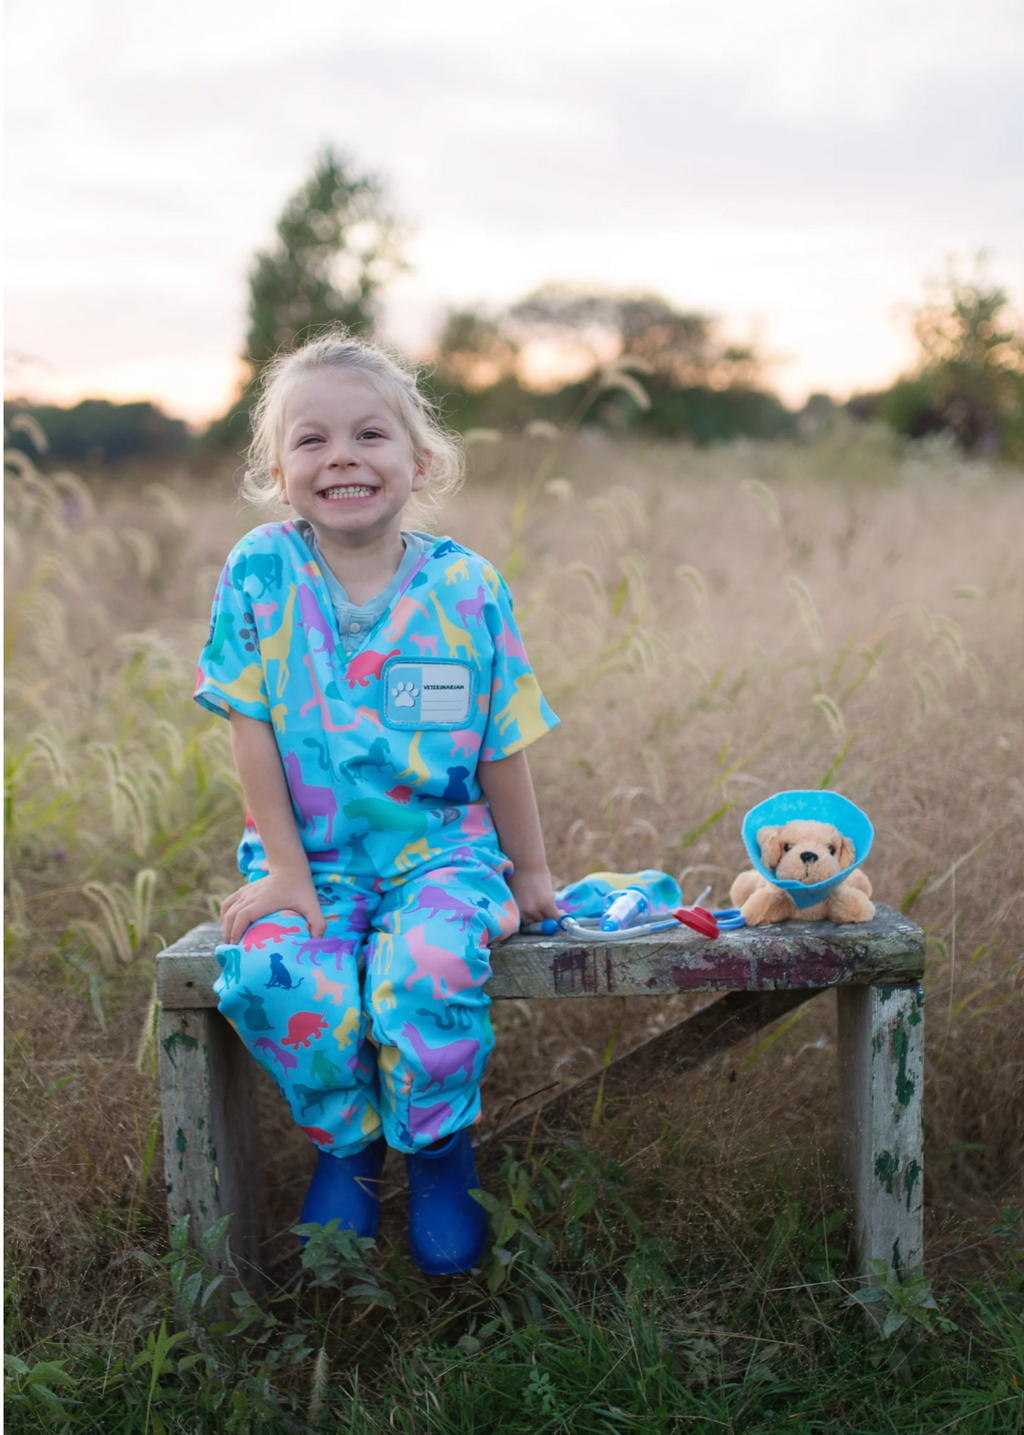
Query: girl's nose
341 452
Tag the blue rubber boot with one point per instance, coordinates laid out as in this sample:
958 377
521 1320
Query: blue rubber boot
447 1228
347 1188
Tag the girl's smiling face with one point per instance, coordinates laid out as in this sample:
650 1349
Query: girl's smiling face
346 462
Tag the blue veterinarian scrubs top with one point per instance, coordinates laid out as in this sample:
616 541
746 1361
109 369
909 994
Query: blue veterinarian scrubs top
380 745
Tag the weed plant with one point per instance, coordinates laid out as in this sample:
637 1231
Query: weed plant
711 627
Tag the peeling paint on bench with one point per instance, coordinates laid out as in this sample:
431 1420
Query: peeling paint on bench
881 1079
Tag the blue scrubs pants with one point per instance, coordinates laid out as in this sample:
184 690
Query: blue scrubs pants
382 1024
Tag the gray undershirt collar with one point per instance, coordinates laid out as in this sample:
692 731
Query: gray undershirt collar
356 620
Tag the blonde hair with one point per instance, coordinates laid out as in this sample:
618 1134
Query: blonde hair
395 382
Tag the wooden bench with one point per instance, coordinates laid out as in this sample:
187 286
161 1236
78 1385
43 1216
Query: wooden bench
208 1081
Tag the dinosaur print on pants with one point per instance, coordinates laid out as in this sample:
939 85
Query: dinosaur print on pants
353 1073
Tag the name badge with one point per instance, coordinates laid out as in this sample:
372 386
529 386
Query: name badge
433 693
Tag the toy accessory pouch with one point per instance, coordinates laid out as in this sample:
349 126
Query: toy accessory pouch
656 892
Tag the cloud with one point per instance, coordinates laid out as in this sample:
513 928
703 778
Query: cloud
653 135
152 146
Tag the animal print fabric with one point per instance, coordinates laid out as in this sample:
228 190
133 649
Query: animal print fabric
380 749
383 1022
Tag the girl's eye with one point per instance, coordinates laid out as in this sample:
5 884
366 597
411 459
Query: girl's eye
371 433
788 847
831 849
309 438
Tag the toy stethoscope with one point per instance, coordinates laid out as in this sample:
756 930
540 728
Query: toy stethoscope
707 923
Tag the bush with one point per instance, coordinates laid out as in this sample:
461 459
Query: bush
98 431
701 414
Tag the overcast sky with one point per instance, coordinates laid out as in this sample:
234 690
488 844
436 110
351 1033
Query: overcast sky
798 169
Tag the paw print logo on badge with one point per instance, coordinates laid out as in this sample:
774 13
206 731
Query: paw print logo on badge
427 695
405 695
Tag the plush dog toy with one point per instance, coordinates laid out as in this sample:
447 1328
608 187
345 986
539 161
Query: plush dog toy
803 852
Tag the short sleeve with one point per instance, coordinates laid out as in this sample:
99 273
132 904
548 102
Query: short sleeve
518 714
230 671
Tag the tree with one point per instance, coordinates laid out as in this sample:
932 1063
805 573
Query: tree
972 364
682 347
969 379
640 366
474 353
336 247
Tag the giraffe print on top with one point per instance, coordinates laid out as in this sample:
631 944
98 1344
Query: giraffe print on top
380 745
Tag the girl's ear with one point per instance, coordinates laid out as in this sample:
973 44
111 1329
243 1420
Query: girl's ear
421 473
771 847
275 474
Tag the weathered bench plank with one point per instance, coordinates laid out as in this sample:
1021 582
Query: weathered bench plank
688 1044
789 956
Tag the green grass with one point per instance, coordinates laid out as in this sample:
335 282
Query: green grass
585 1320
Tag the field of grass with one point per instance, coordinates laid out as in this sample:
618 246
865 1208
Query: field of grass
711 627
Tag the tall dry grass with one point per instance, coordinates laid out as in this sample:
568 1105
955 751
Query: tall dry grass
710 626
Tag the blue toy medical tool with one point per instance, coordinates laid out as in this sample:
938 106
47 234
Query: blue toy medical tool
628 908
592 930
812 806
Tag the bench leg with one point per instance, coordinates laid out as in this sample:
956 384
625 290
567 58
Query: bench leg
211 1129
881 1071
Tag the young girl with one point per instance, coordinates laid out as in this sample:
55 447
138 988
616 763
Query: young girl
380 702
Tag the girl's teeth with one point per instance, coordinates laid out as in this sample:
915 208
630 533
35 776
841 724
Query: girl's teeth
354 490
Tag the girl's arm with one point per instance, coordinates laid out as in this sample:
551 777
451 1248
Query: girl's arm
289 882
509 791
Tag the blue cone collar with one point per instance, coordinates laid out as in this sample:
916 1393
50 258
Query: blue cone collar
815 805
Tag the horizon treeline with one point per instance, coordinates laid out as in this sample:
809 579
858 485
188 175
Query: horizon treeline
337 246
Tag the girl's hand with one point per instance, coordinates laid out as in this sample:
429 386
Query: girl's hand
534 894
289 884
286 891
509 791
